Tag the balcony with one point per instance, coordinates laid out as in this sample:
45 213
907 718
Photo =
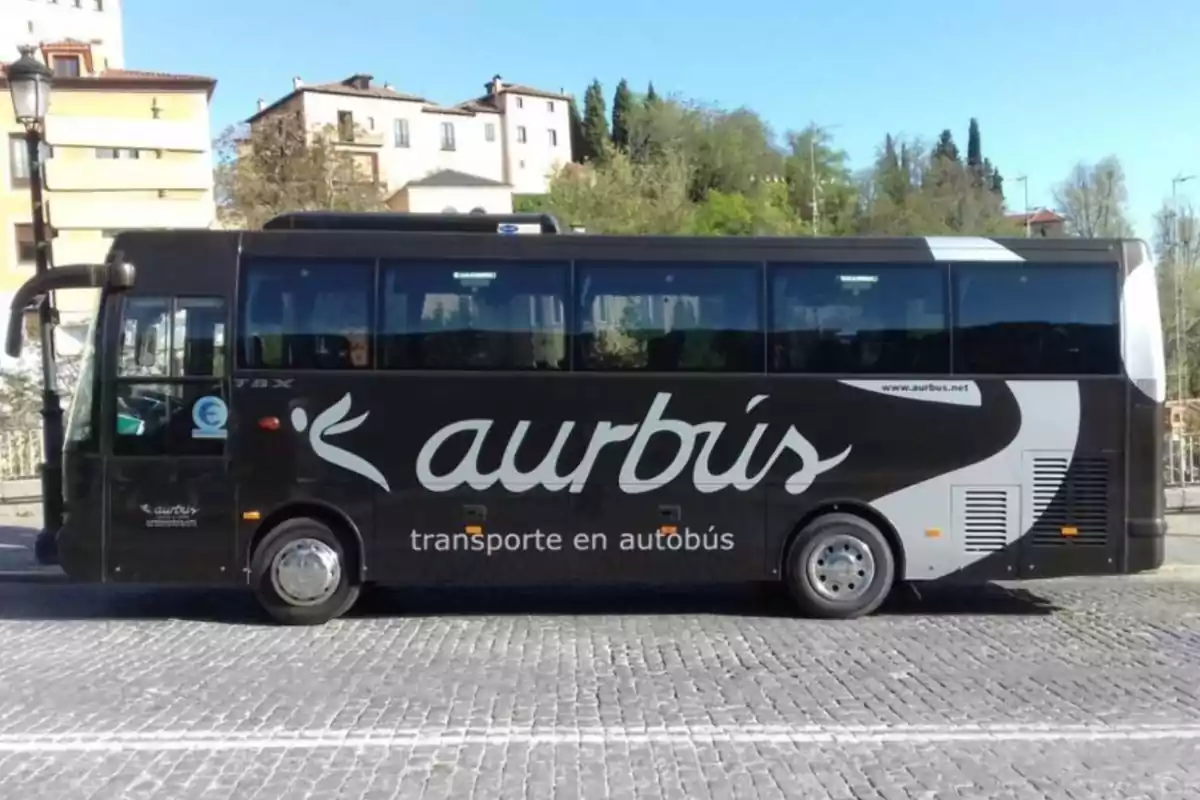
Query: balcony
362 139
143 134
127 174
93 211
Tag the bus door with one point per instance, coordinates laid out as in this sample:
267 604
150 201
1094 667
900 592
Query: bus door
170 502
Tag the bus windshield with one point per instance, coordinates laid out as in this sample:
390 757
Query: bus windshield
79 417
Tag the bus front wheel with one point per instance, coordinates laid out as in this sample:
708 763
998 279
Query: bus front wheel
839 566
301 575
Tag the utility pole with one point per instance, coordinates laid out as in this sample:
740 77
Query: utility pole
1024 181
1180 315
812 167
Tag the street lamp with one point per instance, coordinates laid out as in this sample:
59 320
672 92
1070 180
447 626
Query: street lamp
1180 353
1024 181
817 183
29 83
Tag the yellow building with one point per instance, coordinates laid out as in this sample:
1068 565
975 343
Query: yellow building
126 149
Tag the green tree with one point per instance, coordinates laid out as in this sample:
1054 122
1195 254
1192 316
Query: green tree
764 212
1094 199
621 109
945 147
820 186
1177 243
651 96
575 127
727 150
974 148
279 165
920 193
617 195
595 123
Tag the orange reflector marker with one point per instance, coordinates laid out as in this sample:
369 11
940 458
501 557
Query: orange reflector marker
932 533
474 530
269 423
1070 530
251 515
668 530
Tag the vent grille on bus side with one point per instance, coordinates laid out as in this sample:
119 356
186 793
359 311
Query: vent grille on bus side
1070 498
985 517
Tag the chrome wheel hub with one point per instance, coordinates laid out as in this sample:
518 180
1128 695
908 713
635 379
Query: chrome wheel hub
840 567
306 572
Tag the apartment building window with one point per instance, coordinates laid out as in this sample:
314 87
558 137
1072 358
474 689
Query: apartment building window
520 102
400 133
118 153
26 250
66 66
99 5
448 136
346 126
489 131
550 105
521 134
370 123
553 137
18 160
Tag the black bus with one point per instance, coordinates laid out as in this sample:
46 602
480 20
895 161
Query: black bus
342 400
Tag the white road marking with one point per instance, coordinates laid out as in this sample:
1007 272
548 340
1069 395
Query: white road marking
323 739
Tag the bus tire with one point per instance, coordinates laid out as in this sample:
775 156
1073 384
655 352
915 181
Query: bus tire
301 575
839 566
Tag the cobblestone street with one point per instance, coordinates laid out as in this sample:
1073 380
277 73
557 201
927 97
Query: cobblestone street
1079 688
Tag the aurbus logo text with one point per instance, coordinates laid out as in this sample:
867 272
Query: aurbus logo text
696 442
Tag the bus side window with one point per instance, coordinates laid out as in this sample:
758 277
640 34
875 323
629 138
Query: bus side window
859 319
659 317
306 314
476 315
172 354
144 338
1036 319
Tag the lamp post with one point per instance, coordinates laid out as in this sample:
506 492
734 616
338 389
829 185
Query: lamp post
1178 253
29 82
1024 181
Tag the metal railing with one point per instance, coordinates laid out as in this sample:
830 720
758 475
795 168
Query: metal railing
1181 455
20 454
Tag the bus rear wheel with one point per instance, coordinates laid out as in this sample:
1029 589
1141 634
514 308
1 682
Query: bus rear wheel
839 566
301 575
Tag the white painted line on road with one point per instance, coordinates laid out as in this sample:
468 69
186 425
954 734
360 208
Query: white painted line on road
323 739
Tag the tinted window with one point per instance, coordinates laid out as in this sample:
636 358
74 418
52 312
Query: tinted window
473 315
171 357
163 337
306 315
160 419
859 319
1036 319
665 317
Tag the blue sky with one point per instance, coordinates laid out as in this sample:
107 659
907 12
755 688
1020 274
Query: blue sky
1051 83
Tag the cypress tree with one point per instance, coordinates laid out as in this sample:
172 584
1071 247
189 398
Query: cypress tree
595 122
974 147
622 107
576 131
945 147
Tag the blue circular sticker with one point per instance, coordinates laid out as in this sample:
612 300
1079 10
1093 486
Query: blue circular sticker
210 415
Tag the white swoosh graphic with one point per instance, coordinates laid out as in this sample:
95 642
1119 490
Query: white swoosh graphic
329 422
